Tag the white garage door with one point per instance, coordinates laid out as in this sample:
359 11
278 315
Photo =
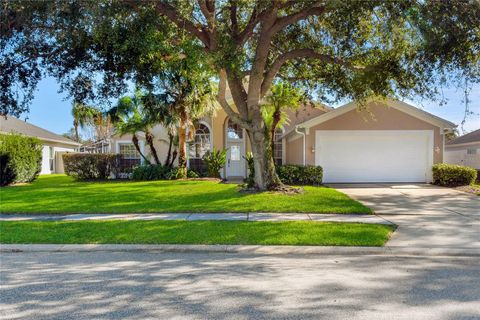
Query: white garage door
375 156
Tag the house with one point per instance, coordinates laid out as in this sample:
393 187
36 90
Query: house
54 145
464 150
388 141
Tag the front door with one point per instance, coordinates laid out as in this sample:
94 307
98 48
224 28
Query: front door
235 161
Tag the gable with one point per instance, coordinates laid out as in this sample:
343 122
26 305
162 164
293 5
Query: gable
376 108
377 116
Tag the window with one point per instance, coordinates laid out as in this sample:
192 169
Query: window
51 158
201 143
234 131
278 147
471 151
235 153
128 151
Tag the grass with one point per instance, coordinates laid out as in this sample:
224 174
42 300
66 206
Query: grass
61 194
195 232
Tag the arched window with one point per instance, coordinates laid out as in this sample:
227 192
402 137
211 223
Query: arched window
202 142
234 131
278 147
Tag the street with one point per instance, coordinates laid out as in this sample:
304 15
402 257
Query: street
153 285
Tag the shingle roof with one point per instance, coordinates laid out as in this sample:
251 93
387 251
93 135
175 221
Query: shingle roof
9 124
473 136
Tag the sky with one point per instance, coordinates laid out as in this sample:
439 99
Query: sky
51 111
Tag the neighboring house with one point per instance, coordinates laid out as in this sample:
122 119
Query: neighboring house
54 145
464 150
389 141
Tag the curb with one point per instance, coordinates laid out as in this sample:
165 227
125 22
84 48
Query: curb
244 249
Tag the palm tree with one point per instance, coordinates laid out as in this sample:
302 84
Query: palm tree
130 117
185 98
282 96
82 116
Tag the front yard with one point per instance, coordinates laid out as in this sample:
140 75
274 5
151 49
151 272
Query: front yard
196 232
61 194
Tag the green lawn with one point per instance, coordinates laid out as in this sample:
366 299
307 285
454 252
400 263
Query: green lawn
61 194
195 232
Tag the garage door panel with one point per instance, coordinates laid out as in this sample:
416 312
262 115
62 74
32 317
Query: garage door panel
374 156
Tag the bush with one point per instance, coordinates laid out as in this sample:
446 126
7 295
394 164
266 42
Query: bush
21 158
192 174
451 175
7 175
300 175
251 170
151 172
91 166
215 160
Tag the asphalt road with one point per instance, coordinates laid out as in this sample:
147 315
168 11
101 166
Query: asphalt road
116 285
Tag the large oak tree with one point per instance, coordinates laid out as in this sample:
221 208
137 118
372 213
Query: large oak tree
337 49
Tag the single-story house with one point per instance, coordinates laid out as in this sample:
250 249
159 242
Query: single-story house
54 145
464 150
386 141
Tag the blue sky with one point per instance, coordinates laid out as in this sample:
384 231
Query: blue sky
51 111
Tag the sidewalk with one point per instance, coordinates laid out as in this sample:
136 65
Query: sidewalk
243 249
358 218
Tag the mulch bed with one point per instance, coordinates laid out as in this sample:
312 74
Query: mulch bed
470 189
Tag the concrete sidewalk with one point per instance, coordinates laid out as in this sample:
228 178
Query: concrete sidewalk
243 249
360 218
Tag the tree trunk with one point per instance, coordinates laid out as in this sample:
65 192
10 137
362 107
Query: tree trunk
174 157
149 137
169 153
137 147
182 153
266 177
75 126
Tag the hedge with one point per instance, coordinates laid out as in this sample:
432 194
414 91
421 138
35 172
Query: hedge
91 166
300 175
451 175
21 158
159 172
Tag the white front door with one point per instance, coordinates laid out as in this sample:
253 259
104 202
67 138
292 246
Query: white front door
375 156
235 162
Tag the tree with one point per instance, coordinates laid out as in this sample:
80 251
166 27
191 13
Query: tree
83 116
339 49
186 94
130 117
282 97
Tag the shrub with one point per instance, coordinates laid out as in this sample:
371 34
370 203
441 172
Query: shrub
451 175
251 170
192 174
300 175
91 166
7 175
215 160
21 158
151 172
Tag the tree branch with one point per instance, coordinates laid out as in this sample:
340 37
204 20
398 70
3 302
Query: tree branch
207 9
282 22
221 97
255 19
303 53
170 12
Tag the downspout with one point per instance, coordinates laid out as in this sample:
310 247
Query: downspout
304 147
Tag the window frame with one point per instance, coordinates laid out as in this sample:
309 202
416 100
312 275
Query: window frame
278 152
192 149
123 143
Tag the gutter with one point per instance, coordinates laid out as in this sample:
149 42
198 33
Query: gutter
304 147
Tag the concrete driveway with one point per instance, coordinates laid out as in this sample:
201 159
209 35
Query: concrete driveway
428 216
